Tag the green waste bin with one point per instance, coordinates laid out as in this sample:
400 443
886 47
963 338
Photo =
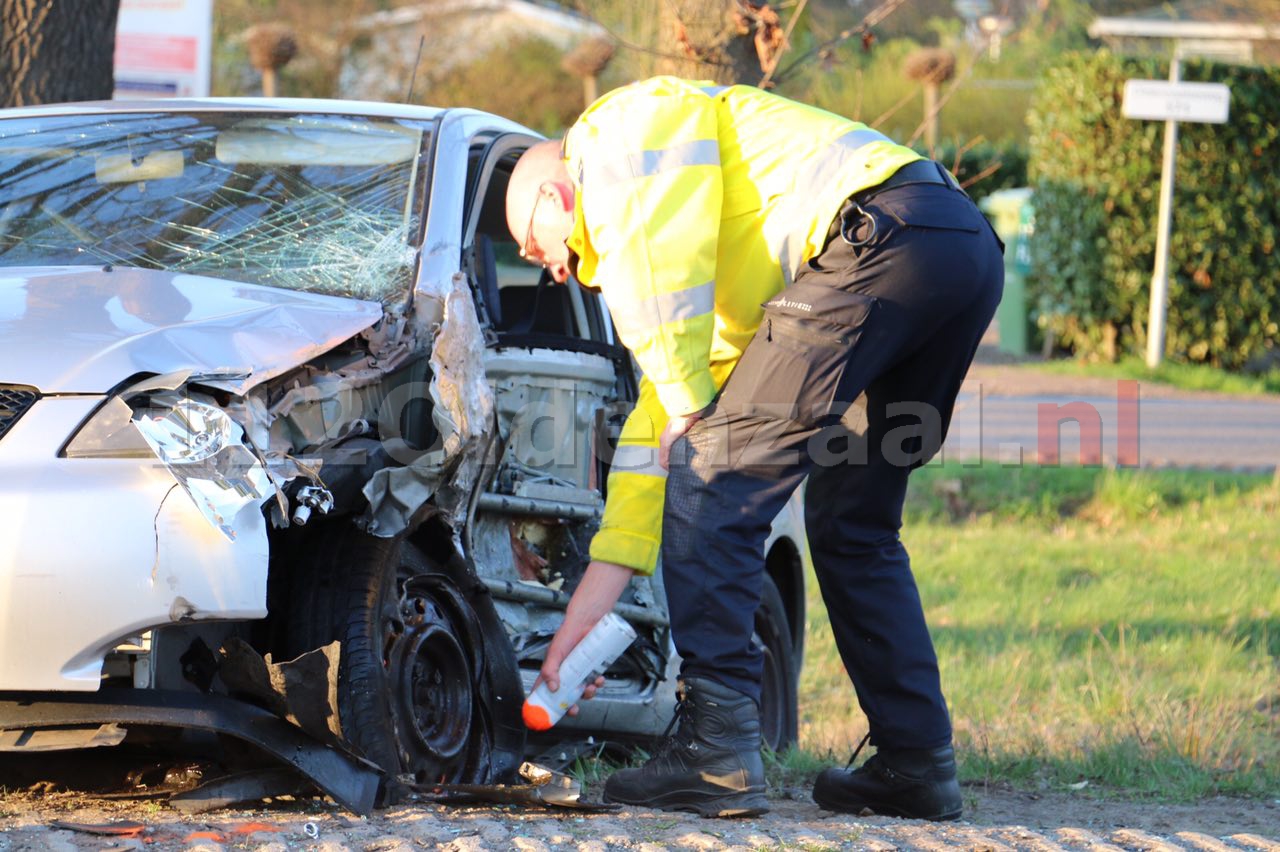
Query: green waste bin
1013 216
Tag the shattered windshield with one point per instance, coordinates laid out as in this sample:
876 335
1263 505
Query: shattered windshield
324 203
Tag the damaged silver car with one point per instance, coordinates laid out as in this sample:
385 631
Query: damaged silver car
295 451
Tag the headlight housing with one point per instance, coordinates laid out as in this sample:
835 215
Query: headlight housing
109 433
204 450
200 445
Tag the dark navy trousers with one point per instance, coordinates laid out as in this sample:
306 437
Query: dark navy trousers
888 316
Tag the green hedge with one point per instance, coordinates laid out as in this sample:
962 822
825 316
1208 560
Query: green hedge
1096 177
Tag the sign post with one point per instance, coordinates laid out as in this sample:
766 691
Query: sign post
1173 101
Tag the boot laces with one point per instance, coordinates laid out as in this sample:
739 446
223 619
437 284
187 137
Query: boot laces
682 723
873 764
857 751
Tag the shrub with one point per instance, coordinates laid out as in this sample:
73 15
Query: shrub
1096 177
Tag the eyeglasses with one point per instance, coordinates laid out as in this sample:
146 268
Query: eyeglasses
529 247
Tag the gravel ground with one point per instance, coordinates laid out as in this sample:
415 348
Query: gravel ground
995 820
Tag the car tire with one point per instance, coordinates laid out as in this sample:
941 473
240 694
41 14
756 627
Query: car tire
779 713
412 673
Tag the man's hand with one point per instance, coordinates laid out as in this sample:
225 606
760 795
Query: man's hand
594 598
674 431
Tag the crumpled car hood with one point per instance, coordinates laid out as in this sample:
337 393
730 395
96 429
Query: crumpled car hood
83 329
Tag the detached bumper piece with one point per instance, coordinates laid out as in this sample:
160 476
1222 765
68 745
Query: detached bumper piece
350 780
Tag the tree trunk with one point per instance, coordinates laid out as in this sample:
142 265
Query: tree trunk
703 34
53 51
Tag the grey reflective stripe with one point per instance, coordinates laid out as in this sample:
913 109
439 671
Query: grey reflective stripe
640 459
860 137
791 220
700 152
639 316
712 91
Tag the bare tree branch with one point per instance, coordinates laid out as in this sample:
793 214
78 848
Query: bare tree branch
786 40
961 150
903 101
982 175
871 19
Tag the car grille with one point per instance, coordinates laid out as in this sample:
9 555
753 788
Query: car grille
14 402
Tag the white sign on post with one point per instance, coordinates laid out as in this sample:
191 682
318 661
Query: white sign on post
1170 102
1159 100
163 48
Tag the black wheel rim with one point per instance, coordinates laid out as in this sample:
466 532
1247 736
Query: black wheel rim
431 651
435 692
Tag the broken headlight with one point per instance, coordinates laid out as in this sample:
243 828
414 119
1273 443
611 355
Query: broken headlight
205 451
200 445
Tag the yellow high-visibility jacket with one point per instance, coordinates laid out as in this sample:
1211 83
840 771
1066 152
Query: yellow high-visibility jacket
696 204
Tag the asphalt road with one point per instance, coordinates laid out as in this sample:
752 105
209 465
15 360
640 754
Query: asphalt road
1171 429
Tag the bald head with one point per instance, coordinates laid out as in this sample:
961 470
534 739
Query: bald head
540 206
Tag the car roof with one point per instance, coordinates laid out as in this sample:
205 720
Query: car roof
372 109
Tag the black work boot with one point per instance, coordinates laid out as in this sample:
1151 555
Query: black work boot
712 765
912 783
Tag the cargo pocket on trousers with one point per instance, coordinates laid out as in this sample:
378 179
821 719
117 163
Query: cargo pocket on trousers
797 365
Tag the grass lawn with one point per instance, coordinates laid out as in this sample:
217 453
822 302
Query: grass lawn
1118 630
1186 376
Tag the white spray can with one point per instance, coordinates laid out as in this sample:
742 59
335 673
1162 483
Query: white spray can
604 644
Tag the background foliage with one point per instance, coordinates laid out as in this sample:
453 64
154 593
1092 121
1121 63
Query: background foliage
1096 176
982 166
534 89
983 117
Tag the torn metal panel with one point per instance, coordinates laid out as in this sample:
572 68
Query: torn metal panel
112 325
390 341
463 415
303 690
458 379
316 406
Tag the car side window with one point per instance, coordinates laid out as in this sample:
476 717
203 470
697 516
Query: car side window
518 299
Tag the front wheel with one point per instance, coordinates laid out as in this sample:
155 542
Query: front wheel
412 688
779 713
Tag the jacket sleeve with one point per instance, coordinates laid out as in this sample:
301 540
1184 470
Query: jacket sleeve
651 196
630 532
